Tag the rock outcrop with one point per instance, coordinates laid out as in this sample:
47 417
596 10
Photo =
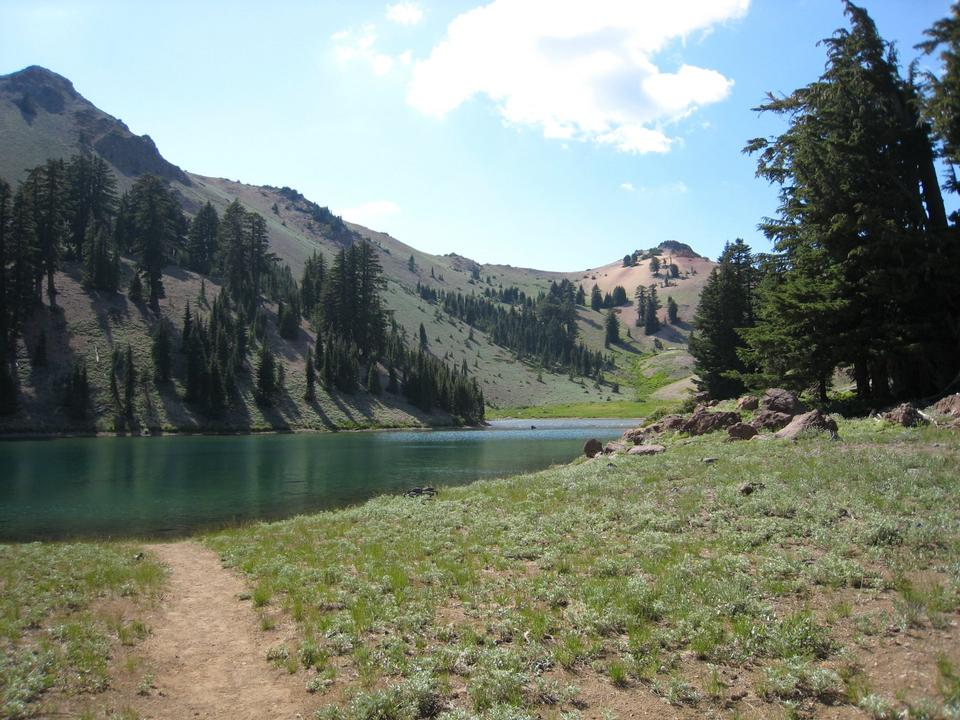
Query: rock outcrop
812 422
741 431
782 401
949 406
703 422
905 414
646 450
770 420
748 402
592 448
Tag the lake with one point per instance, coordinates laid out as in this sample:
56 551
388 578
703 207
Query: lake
170 486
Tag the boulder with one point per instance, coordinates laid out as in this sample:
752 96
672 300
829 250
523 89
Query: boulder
813 421
741 431
427 492
906 415
950 405
748 402
770 420
703 422
667 422
784 401
634 437
646 450
701 397
614 447
748 488
592 448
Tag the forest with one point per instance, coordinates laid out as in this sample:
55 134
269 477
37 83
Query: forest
862 278
70 212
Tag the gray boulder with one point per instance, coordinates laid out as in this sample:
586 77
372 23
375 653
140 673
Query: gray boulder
813 421
779 400
741 431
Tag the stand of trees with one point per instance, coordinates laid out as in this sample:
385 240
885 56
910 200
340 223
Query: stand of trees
542 330
864 273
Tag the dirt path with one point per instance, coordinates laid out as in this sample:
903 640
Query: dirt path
207 651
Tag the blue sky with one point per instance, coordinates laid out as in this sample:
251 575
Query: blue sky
543 133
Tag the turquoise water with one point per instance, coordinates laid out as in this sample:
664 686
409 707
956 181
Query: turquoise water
169 486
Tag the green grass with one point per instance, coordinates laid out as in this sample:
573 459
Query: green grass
623 409
623 569
52 634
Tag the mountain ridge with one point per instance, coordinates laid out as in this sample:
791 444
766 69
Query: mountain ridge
62 122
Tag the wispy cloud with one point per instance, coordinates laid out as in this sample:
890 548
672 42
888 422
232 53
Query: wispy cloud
361 45
674 187
405 13
628 186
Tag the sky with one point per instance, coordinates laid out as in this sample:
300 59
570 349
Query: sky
554 134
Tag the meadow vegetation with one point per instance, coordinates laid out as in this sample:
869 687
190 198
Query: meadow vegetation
832 580
64 607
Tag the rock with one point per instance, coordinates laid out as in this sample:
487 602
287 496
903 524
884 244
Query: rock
709 460
950 405
701 397
634 437
748 402
748 488
906 415
613 447
421 492
428 492
813 421
783 401
667 422
770 420
646 450
703 422
741 431
592 448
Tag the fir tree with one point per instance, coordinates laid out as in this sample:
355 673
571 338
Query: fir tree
311 394
611 329
202 240
672 310
373 380
160 350
423 338
596 299
266 376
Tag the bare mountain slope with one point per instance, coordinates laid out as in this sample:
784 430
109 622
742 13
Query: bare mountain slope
42 116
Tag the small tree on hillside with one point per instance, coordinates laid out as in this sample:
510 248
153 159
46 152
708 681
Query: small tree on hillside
611 329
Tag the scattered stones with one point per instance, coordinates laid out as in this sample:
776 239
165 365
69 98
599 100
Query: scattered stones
770 420
906 415
646 450
813 421
427 492
741 431
783 401
592 448
709 460
703 422
950 405
667 422
748 402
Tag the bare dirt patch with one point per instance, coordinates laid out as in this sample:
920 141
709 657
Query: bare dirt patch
207 653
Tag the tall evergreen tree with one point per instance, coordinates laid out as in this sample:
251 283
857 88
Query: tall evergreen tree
596 299
611 329
202 240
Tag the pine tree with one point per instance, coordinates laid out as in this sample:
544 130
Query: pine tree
185 338
596 299
373 380
672 310
581 298
135 289
423 338
202 240
311 394
156 221
266 376
160 350
651 321
129 383
611 329
655 265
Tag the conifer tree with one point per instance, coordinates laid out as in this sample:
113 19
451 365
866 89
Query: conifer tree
202 240
611 329
672 310
373 380
311 394
266 376
423 338
129 383
596 299
160 350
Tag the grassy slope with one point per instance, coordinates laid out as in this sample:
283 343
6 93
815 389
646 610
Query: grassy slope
617 586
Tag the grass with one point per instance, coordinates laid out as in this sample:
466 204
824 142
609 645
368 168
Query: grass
613 408
53 630
631 573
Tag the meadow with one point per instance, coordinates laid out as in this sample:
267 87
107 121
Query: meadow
754 579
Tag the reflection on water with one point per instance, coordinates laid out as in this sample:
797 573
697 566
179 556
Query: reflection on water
115 487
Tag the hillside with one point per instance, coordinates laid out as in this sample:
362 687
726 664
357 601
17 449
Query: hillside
42 116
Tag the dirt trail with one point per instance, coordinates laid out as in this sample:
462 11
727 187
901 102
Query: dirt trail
206 650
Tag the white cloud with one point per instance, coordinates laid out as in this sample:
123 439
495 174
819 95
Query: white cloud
675 187
371 213
360 46
405 13
575 70
628 186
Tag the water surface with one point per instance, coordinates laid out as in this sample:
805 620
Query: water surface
168 486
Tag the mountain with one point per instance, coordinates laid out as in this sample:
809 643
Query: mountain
42 116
